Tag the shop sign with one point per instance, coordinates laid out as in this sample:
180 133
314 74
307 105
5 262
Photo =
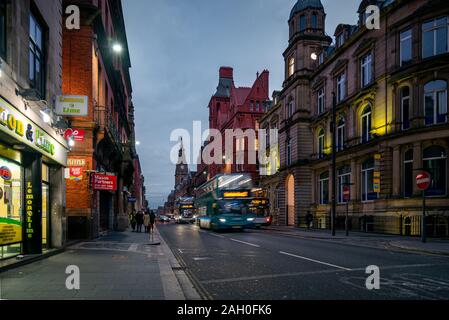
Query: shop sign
10 231
72 106
76 173
17 125
29 231
5 173
104 182
132 200
77 134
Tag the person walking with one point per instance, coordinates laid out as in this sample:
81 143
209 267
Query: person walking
139 220
152 217
133 220
146 221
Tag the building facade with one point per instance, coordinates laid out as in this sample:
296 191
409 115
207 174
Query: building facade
236 108
33 153
96 66
390 87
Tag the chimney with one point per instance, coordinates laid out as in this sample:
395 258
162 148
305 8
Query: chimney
227 72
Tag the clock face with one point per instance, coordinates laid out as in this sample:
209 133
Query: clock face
182 167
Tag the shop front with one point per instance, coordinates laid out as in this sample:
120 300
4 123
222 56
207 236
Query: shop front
32 187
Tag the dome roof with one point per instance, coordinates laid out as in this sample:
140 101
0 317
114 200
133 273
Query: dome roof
306 4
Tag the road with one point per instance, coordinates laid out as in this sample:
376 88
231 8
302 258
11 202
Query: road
257 264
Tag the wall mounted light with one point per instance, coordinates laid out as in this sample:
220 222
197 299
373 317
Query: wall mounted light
117 48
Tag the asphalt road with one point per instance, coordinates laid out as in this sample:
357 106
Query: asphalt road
256 264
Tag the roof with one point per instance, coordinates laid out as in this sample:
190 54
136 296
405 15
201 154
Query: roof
306 4
241 94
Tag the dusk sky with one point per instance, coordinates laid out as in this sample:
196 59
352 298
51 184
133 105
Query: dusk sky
177 47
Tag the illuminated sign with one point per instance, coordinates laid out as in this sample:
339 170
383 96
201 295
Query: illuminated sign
259 202
104 182
72 106
10 231
17 125
243 194
5 173
187 207
29 231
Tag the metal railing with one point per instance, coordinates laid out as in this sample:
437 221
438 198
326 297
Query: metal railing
104 119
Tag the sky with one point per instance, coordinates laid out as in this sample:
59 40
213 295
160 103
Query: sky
177 48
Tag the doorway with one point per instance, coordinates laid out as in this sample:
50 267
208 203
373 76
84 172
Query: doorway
290 200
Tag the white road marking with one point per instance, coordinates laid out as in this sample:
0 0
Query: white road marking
247 243
214 235
134 247
201 258
180 251
313 260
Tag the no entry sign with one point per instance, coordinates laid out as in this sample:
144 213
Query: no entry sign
346 193
423 181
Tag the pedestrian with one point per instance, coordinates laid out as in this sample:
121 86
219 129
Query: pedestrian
139 220
309 220
133 220
146 221
151 224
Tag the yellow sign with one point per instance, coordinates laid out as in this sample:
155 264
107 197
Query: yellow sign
236 194
10 231
187 207
259 202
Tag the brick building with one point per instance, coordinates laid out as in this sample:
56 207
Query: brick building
391 91
96 64
233 108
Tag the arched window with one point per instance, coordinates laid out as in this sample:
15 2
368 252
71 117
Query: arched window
366 124
314 21
368 192
341 125
321 100
320 143
435 102
291 66
405 108
434 162
323 188
302 23
408 181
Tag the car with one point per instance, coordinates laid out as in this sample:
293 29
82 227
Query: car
164 219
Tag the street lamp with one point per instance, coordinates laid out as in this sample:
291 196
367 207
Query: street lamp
334 162
117 47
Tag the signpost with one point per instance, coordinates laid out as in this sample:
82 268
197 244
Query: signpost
423 181
104 182
346 198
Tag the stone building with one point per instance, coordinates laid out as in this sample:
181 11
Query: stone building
390 86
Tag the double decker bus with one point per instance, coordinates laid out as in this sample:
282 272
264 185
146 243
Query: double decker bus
185 210
224 203
260 205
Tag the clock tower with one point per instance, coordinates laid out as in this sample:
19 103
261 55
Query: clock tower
182 169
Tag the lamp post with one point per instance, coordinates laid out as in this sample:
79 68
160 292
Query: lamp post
334 162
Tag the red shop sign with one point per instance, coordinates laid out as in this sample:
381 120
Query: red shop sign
104 182
78 134
76 173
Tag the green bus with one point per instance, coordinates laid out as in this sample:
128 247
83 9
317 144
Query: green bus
224 203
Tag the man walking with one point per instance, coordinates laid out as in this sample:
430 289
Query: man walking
139 220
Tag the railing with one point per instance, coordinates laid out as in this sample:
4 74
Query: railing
104 119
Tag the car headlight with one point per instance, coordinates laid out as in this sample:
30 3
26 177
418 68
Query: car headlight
222 220
250 219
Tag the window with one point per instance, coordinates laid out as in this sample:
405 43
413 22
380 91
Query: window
435 96
405 108
251 105
291 66
341 39
408 174
289 152
321 143
323 187
321 101
314 21
366 124
434 162
3 29
368 193
435 37
321 58
258 106
302 23
344 179
366 70
290 109
406 47
341 134
341 87
36 56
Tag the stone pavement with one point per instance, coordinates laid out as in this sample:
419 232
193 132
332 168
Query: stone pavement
119 266
432 246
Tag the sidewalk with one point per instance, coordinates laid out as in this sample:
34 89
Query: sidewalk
414 244
118 266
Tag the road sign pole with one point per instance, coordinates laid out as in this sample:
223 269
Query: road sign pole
347 219
423 219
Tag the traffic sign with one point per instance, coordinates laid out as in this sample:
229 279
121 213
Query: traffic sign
423 181
346 193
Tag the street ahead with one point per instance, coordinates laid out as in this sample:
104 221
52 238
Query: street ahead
261 264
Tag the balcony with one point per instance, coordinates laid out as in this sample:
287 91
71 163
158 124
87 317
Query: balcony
107 125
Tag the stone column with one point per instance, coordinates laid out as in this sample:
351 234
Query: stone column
417 164
397 174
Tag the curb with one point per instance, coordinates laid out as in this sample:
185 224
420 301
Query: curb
176 284
419 250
